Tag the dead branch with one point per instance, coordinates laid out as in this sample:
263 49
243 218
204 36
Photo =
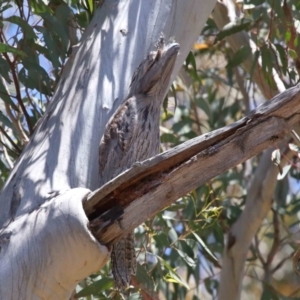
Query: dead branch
154 184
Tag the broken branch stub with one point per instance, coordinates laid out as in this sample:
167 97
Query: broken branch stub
149 186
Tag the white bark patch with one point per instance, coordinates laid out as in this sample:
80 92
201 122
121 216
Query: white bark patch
45 253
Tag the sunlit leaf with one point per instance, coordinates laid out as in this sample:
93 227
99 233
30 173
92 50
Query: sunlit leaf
185 257
294 147
276 157
90 6
292 53
284 171
172 276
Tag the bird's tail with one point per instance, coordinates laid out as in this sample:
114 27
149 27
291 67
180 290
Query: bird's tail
123 261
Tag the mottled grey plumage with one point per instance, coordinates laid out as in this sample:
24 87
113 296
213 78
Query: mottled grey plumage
132 134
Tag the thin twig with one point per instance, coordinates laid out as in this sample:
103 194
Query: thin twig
17 87
271 21
296 137
256 246
16 124
14 120
279 265
6 156
11 141
3 144
275 244
240 82
32 103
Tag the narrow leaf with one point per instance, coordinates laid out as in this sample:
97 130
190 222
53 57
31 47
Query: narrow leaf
174 94
185 257
5 96
104 283
276 157
172 276
201 242
294 147
240 56
254 62
26 28
283 58
5 120
233 27
7 48
144 278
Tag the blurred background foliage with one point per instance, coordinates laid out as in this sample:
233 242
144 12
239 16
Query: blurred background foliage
180 249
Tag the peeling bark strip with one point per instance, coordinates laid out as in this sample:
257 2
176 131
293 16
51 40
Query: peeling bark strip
152 185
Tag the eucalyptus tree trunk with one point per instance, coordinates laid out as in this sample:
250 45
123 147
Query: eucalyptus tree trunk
46 247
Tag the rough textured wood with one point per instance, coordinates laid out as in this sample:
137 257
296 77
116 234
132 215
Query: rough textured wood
154 184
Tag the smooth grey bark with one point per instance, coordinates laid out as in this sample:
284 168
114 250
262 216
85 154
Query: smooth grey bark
44 253
63 153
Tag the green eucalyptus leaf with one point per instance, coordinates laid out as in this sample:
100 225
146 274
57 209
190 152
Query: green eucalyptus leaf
206 249
5 120
190 60
239 57
161 240
144 278
135 296
282 57
7 48
172 276
4 69
96 287
4 7
5 96
232 28
26 28
55 28
254 62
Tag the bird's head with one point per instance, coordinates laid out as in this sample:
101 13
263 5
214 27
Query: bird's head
153 74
